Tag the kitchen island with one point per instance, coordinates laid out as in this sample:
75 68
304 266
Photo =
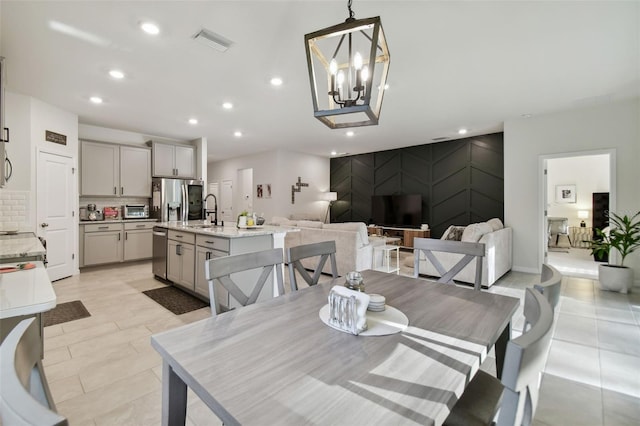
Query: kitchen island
190 244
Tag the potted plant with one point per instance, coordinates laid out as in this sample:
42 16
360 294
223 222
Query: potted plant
624 237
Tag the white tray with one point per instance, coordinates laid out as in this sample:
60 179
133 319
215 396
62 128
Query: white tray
389 321
251 227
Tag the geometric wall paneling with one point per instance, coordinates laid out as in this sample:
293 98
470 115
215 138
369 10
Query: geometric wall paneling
460 181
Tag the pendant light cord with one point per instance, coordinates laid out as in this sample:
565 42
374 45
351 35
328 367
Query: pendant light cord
351 14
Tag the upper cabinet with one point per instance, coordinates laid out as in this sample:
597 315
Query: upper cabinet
176 161
115 170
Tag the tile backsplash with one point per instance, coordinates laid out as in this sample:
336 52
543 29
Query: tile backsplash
101 203
14 211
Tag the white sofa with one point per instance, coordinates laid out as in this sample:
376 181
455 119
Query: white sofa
354 251
498 258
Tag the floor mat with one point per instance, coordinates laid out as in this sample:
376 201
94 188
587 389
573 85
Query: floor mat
175 300
65 312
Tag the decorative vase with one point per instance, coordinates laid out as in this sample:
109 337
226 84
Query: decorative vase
615 278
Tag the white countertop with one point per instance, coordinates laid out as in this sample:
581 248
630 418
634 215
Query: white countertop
91 222
20 245
26 292
196 227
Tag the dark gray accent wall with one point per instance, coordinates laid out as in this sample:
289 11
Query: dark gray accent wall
461 181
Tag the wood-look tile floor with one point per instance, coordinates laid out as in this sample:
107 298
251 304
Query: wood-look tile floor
103 371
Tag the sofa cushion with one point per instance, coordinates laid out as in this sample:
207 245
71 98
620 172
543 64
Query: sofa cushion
281 221
475 231
309 224
495 223
453 233
358 227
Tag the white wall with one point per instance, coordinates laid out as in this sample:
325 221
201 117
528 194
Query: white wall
280 169
105 134
589 173
611 126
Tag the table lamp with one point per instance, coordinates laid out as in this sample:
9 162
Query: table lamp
583 214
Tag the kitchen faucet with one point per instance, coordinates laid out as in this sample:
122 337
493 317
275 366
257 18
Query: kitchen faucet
215 208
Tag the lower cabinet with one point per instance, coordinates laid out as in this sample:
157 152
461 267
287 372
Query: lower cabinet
138 241
181 259
202 255
102 244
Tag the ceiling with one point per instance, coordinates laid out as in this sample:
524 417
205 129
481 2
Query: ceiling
471 64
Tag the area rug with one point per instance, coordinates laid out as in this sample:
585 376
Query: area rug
65 312
175 300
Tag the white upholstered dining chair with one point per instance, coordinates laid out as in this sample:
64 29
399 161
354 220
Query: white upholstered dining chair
551 279
323 250
220 269
24 393
515 397
468 251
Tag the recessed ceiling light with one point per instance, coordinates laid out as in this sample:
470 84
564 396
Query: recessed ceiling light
117 74
96 99
227 105
237 134
193 121
462 131
150 28
334 153
276 81
350 133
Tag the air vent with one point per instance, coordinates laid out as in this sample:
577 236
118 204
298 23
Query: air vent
213 40
441 138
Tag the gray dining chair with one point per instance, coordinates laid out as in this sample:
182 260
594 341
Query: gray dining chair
551 279
324 250
468 251
24 393
514 398
558 226
220 269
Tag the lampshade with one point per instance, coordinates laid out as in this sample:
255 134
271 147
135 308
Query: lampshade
583 214
348 65
330 196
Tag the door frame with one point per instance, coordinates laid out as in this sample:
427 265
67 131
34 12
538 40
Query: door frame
542 191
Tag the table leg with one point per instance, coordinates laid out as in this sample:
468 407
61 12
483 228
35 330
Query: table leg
501 349
174 397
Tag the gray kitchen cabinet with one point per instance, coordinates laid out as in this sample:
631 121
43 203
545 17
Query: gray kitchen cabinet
115 170
102 244
100 165
181 259
138 240
208 248
135 171
176 161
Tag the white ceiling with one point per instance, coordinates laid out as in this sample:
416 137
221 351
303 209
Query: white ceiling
472 64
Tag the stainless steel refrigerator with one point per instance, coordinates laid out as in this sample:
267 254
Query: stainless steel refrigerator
176 199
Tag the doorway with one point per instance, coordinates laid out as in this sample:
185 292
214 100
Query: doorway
569 184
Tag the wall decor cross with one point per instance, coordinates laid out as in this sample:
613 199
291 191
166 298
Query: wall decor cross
297 187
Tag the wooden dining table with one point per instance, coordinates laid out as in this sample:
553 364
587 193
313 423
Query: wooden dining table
276 362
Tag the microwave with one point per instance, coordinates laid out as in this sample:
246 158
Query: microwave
136 211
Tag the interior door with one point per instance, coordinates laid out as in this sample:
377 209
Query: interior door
55 212
227 202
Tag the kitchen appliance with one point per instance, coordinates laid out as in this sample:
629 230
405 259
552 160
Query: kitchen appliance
177 199
84 214
136 211
93 214
159 260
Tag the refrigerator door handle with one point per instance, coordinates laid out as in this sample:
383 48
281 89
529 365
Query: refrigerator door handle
185 203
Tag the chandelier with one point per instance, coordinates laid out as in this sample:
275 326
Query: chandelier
348 66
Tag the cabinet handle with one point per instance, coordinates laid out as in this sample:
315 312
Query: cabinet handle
103 227
207 255
179 236
115 191
126 235
179 249
118 236
122 190
140 226
209 242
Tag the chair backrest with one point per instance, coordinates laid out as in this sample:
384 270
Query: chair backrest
550 283
221 268
558 225
468 249
524 361
24 389
325 250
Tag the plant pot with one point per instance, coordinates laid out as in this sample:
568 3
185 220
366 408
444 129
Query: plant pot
615 278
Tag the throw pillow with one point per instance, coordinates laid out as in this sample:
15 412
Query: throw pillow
475 231
455 233
495 223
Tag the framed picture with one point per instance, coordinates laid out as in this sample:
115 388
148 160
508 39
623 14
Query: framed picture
259 190
267 190
565 193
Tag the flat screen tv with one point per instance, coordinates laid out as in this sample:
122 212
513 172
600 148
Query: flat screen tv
397 210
